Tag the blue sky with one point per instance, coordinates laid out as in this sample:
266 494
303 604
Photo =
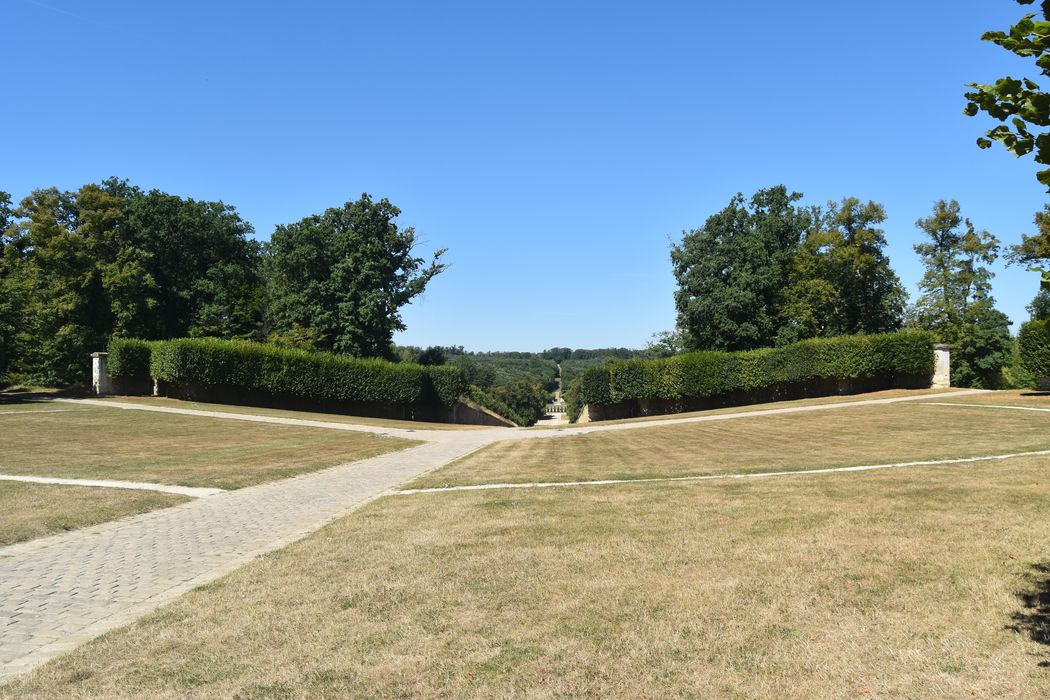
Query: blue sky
556 148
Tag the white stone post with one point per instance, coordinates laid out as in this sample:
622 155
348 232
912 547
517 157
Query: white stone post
100 381
942 366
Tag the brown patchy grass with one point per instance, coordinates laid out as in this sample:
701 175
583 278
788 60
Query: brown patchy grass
845 437
886 394
1015 397
301 415
876 584
105 443
28 511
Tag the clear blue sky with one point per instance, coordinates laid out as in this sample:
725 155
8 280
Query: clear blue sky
556 148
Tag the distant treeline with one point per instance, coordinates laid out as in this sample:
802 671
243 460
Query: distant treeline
502 368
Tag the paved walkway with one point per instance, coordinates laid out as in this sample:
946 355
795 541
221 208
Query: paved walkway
60 591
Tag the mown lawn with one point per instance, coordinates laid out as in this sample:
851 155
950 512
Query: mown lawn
28 511
283 413
839 437
748 408
908 583
107 443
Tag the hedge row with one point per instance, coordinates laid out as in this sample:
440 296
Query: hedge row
524 402
247 366
702 375
1034 342
129 358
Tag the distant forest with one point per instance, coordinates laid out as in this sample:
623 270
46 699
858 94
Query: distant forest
501 368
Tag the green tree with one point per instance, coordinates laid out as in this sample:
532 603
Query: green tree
1035 250
523 401
62 292
346 274
731 272
1040 306
840 280
204 265
1019 101
108 259
10 306
664 344
955 298
433 355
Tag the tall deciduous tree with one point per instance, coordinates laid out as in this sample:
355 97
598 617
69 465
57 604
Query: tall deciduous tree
840 280
345 274
57 277
205 266
732 271
108 259
1019 101
956 300
1035 251
9 302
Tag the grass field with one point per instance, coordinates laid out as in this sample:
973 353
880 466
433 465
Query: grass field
89 442
302 415
821 400
845 437
28 511
922 582
890 584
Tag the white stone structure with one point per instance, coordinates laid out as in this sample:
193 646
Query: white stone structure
942 373
100 381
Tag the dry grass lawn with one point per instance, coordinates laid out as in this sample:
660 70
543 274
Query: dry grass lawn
910 583
886 394
28 511
105 443
282 413
1024 397
844 437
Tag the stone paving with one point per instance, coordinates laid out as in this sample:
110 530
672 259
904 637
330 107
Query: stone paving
58 592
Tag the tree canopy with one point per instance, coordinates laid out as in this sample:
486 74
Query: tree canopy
768 272
345 274
840 280
955 298
80 267
731 271
110 259
1019 101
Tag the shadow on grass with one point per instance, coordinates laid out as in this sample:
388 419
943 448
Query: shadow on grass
15 396
1033 619
1035 393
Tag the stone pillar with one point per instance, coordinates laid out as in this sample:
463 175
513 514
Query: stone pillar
100 381
942 372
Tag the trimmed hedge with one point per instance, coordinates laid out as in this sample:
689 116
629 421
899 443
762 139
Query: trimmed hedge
523 402
708 374
573 401
280 371
594 385
246 366
129 358
1034 342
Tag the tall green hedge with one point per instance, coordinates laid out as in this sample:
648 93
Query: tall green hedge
709 374
247 366
129 358
1034 342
